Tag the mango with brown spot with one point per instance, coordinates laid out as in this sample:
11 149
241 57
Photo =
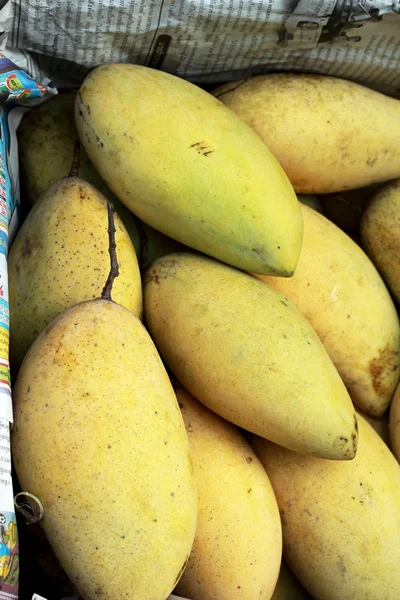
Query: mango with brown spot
312 124
248 354
189 167
60 257
340 292
340 520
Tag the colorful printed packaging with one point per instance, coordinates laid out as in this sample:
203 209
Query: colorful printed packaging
18 92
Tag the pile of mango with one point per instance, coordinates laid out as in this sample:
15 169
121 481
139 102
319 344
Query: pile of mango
220 419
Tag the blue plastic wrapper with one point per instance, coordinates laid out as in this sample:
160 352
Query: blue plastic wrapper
18 92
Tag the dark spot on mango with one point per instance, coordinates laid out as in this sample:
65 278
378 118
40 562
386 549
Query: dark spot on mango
26 249
381 367
341 566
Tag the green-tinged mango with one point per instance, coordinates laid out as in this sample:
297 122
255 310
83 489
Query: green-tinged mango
189 167
99 439
340 520
46 143
287 587
380 234
394 424
237 548
312 124
340 292
245 352
60 257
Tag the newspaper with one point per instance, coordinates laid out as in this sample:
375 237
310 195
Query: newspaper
207 41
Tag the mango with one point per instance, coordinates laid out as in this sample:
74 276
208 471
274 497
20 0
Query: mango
189 167
59 258
237 548
46 141
380 234
340 520
394 424
287 587
245 352
312 124
339 291
98 437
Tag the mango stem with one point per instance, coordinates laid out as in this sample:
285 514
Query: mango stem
112 249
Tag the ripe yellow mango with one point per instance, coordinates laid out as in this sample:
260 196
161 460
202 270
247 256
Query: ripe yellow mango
312 124
394 424
380 234
189 167
340 520
60 257
237 548
46 142
339 291
245 352
98 437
